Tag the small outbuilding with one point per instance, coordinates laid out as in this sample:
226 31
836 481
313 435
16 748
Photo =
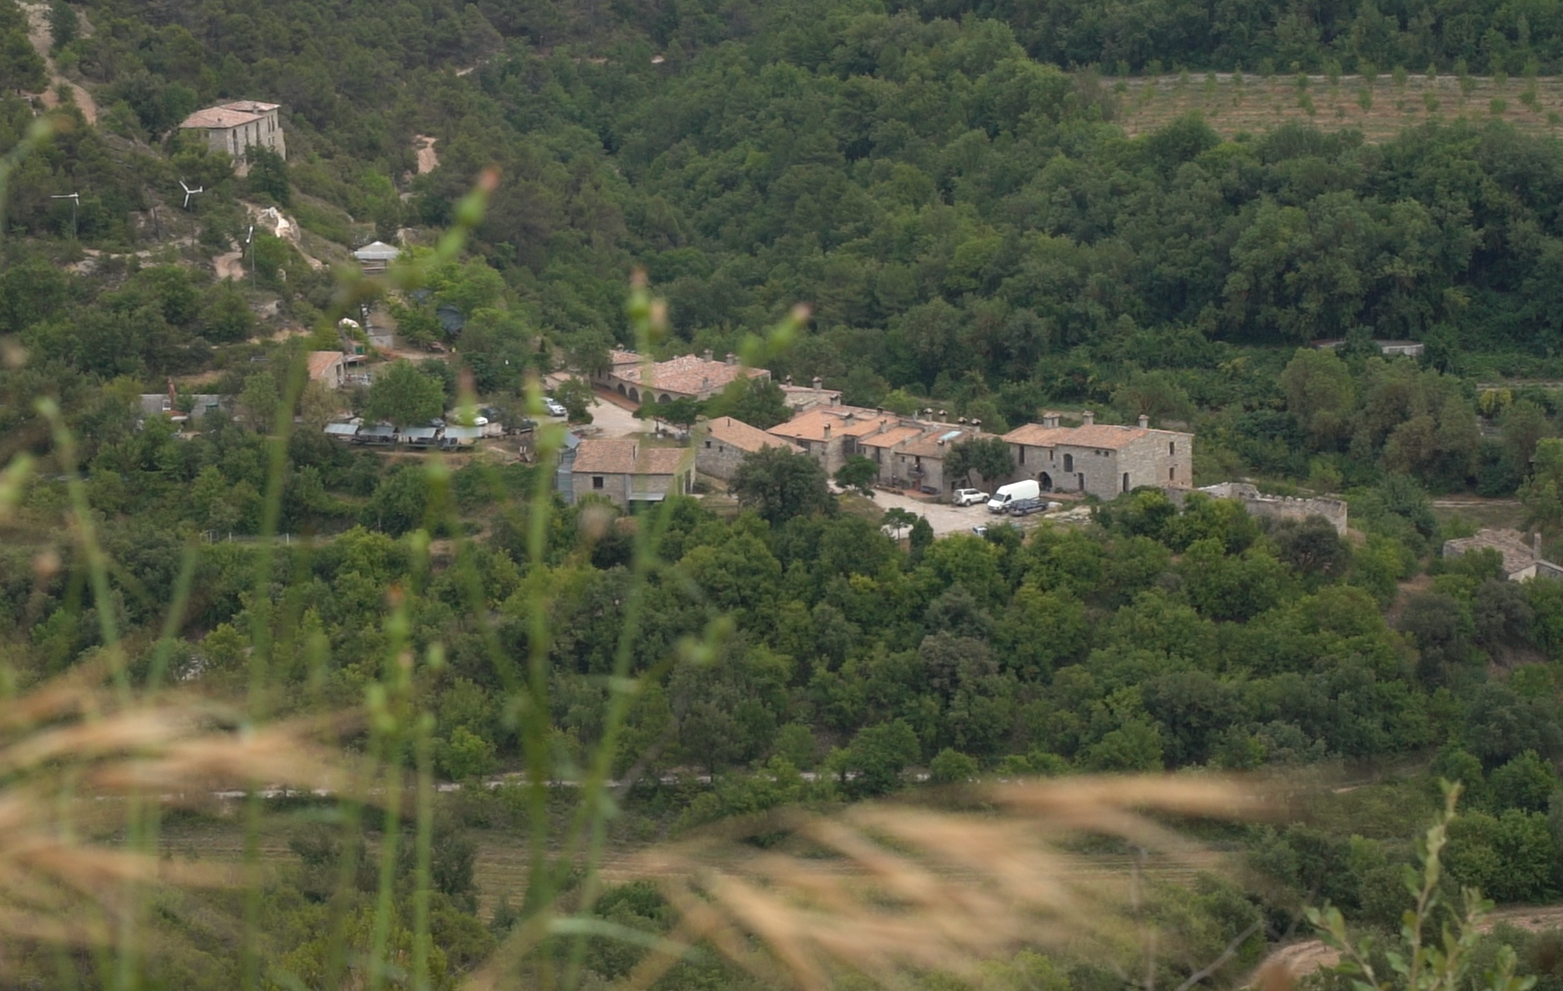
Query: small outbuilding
376 256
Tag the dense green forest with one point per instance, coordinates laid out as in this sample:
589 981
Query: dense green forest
945 188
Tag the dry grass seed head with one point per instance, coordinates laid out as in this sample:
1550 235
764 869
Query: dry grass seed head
903 887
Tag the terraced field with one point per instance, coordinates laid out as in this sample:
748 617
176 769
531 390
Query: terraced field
1380 107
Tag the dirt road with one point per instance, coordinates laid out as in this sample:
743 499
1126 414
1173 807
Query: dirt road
42 37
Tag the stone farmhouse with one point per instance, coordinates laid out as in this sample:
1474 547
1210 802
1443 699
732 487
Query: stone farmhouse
685 377
909 451
721 445
625 472
1522 560
237 126
831 433
1103 460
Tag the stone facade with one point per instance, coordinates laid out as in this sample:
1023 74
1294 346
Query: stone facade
1103 460
237 126
722 444
624 472
688 376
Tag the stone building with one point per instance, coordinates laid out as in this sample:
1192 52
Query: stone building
1282 507
1521 560
687 376
626 472
801 398
722 444
1104 460
910 453
237 126
831 434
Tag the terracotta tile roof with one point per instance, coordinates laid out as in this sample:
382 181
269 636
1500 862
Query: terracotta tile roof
320 362
1103 435
602 456
929 446
688 374
229 114
739 434
617 357
663 460
891 437
811 424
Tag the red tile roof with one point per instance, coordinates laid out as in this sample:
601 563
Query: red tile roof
603 456
843 421
688 374
891 437
1103 435
229 114
741 435
320 362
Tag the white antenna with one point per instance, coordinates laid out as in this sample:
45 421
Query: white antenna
75 199
247 239
190 192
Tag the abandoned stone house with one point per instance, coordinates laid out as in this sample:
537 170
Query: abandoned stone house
722 443
626 472
1103 460
685 377
237 126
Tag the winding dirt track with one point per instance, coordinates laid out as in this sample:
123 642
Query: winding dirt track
43 41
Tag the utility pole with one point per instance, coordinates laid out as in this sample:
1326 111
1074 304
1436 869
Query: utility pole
75 199
249 244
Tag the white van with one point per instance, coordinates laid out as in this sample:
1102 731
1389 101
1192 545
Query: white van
1028 489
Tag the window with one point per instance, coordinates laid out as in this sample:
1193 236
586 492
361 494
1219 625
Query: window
1172 447
708 445
1069 462
596 481
1022 458
1172 473
1126 481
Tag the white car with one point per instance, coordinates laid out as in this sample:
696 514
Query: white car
969 497
554 407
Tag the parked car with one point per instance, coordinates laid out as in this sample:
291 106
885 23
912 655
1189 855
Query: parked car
554 407
1025 507
980 530
1026 489
969 497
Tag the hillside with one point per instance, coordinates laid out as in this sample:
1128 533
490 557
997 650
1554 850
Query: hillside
333 656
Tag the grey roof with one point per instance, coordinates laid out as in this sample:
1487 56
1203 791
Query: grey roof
418 433
378 430
341 429
461 433
377 251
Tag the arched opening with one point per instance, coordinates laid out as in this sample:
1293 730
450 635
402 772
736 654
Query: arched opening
1045 482
1069 462
662 398
1126 481
634 395
621 389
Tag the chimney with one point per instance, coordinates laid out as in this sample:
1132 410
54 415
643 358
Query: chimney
730 359
1088 417
977 425
788 380
944 417
1049 418
1145 422
708 354
962 421
827 431
818 382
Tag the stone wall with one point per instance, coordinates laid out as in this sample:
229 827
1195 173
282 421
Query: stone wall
718 458
1278 507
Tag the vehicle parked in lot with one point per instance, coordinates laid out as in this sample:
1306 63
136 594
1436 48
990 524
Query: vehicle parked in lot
553 407
1027 489
1025 507
969 497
